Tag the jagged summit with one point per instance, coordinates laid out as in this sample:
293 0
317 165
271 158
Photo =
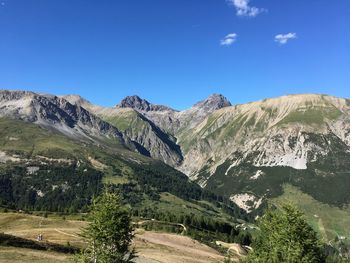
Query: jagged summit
214 102
14 94
139 104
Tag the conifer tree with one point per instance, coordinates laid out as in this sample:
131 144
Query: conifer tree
285 236
110 233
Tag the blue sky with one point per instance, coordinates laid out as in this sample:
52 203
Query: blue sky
175 52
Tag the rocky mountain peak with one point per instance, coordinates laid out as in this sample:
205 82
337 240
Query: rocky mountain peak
139 104
213 102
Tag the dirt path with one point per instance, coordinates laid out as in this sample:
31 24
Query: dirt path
64 233
170 248
322 229
152 247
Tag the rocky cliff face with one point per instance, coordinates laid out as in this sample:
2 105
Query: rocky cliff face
58 114
158 143
274 130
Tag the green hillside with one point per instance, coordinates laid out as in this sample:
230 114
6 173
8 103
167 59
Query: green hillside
44 171
329 221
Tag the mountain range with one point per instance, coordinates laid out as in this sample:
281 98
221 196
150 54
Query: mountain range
249 151
246 152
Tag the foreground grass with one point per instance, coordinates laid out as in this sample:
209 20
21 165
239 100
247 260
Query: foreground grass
328 221
152 247
55 230
23 255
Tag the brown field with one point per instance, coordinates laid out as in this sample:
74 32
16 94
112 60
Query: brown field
152 247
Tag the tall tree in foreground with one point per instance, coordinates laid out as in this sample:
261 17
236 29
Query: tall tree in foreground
110 233
285 236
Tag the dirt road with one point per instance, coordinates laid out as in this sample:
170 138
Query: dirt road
169 248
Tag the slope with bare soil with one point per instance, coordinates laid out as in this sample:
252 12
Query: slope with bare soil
171 248
152 247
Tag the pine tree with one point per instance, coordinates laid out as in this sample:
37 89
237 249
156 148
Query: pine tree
285 236
110 233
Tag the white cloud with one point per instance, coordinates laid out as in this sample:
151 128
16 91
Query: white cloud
244 9
283 39
228 39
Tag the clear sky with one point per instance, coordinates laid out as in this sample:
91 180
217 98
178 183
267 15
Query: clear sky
175 52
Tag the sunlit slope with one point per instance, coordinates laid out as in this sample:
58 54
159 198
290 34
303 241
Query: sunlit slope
44 170
256 147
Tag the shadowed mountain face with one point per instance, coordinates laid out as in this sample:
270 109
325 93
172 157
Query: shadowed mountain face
156 143
246 152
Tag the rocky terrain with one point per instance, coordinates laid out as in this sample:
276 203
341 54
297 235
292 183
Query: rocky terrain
251 150
238 150
56 113
270 132
246 152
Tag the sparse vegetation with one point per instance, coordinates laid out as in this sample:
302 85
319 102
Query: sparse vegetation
312 115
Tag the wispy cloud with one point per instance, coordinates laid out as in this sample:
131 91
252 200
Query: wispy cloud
229 39
244 9
284 38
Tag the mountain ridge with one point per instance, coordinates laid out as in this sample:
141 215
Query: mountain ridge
236 150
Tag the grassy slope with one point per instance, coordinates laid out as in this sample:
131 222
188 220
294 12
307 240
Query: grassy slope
150 245
328 221
118 165
312 115
126 119
29 140
171 203
26 226
24 255
54 229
